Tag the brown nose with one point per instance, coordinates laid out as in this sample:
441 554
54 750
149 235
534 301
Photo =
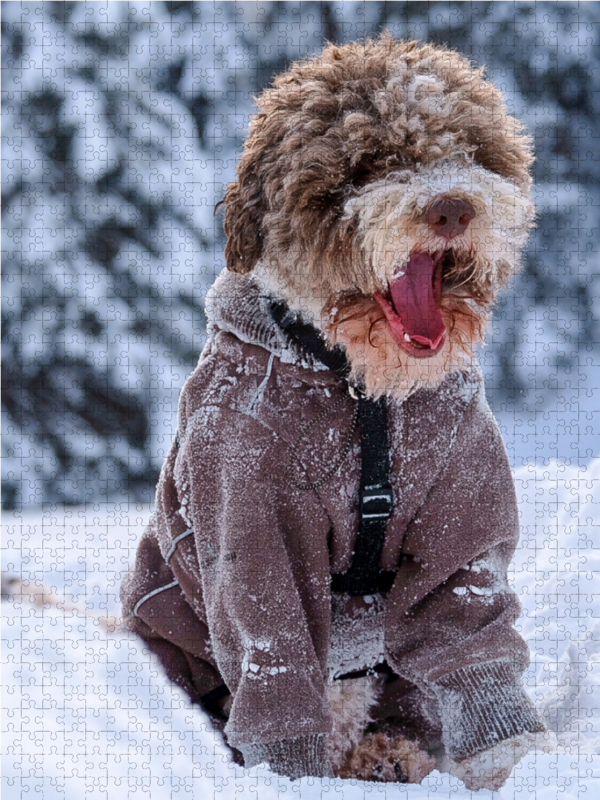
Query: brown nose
450 218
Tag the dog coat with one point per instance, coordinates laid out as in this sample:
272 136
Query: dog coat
256 507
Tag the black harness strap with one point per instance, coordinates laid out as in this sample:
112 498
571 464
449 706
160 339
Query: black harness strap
376 503
310 340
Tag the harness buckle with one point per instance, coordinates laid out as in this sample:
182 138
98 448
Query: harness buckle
376 502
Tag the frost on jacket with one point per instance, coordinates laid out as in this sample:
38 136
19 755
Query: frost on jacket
234 569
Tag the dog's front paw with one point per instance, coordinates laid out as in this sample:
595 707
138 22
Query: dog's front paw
476 773
491 768
382 758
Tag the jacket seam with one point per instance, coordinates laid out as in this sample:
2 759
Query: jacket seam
153 593
175 542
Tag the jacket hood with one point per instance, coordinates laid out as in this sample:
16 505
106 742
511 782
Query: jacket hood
236 304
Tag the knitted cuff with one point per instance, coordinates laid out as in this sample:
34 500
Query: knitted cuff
482 705
294 758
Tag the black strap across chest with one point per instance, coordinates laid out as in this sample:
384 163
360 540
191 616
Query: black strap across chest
376 501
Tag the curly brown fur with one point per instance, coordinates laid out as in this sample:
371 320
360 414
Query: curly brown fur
351 702
339 121
349 154
381 758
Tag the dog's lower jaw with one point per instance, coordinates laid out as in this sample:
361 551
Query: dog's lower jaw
356 323
380 367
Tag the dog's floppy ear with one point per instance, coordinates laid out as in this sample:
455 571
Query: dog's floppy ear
244 212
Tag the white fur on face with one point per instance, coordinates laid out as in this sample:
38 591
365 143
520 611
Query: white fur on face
392 226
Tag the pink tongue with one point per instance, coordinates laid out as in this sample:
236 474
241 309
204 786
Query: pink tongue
415 297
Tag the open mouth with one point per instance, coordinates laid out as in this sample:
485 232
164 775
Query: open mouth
413 305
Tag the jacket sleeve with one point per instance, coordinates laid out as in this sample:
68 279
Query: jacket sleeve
229 480
452 607
155 608
162 604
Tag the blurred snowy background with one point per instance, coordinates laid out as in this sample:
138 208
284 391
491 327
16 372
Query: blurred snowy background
122 125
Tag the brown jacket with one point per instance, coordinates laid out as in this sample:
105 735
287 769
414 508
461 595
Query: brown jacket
232 579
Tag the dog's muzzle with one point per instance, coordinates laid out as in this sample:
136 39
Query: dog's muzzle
450 217
413 304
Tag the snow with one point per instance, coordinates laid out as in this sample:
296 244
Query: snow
90 714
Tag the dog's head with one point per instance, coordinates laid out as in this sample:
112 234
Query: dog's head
384 191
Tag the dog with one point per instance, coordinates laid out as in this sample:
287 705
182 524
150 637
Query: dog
405 151
383 199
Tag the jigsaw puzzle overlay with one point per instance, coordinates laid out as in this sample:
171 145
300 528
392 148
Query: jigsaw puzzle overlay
123 124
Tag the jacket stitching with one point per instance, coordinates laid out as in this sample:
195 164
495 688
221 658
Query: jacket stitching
262 385
152 594
176 542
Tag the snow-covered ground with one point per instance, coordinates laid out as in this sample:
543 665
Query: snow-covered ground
88 714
